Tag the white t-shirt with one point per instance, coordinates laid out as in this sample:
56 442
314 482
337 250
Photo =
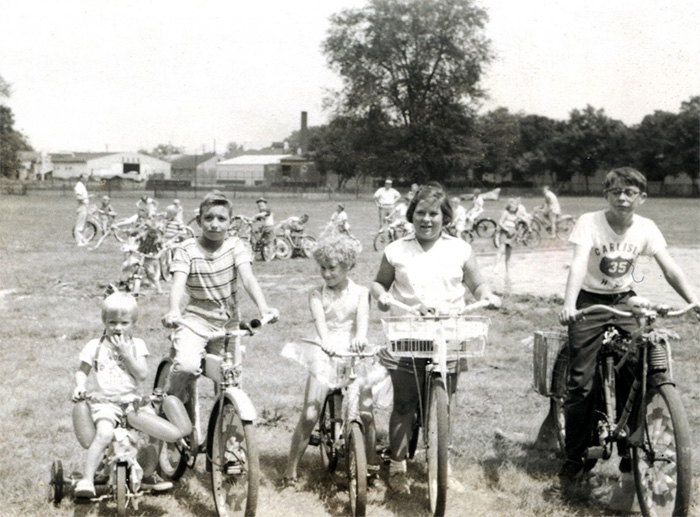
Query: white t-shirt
434 277
552 202
386 197
612 257
112 376
81 193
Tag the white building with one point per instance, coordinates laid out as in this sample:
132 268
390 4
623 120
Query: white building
133 166
250 169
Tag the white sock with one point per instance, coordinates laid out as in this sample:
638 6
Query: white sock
397 466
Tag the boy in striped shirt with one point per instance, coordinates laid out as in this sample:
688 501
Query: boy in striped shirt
207 270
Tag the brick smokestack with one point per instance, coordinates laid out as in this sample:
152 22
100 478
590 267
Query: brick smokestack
303 135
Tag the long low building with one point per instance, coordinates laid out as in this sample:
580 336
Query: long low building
133 166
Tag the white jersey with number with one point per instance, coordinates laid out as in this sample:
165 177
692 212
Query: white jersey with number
612 257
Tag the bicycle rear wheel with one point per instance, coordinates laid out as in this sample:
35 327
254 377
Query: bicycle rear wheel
235 470
532 238
56 482
165 259
662 462
88 232
357 470
327 429
438 437
308 245
564 228
282 248
172 461
267 249
381 240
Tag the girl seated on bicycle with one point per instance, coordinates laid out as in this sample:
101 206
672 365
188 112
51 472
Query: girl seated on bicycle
431 270
340 310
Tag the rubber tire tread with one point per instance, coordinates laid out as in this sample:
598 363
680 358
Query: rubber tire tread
357 470
253 462
169 473
438 438
681 431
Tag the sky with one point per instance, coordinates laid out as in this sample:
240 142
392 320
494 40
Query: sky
124 75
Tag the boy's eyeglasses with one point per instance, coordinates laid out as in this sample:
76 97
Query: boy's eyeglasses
629 192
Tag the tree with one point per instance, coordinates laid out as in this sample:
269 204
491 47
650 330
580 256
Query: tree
163 150
417 64
499 132
233 149
687 135
11 141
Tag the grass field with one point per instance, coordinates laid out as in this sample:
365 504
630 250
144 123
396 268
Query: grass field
49 308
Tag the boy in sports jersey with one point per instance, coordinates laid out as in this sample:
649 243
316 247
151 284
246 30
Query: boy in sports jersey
606 246
207 270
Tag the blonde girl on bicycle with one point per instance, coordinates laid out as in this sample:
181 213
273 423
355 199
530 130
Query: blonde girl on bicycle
340 312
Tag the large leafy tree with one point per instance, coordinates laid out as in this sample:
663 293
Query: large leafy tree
418 63
11 141
687 133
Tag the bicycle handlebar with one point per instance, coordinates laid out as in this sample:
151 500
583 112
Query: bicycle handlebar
373 351
244 329
656 310
140 400
480 304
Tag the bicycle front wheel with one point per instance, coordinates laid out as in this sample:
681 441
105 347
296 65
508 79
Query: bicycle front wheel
282 248
121 489
327 432
564 228
438 437
267 250
165 259
662 463
381 240
235 469
485 227
308 245
357 470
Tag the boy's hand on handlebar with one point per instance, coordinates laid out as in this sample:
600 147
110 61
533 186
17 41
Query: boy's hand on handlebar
327 348
270 315
171 319
495 301
384 302
568 315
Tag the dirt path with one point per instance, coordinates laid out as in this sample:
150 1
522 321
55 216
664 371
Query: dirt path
544 272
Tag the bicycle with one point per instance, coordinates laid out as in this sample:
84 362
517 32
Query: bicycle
135 265
541 223
340 431
119 475
444 340
653 420
524 236
263 242
230 448
293 243
388 234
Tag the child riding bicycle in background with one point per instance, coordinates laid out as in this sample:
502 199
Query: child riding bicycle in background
147 239
174 230
607 244
207 270
340 311
106 212
119 363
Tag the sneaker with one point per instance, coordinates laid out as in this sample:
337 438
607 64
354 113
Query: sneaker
292 483
85 489
625 465
568 475
398 483
155 484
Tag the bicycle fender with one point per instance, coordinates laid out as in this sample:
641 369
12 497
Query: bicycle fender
242 402
659 379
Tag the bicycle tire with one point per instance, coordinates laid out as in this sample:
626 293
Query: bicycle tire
121 234
485 227
380 240
665 426
357 470
56 482
564 228
558 390
235 469
437 447
327 434
536 226
308 246
532 238
89 231
467 236
267 249
121 489
172 460
165 260
283 250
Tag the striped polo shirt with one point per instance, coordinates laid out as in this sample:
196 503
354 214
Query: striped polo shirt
211 277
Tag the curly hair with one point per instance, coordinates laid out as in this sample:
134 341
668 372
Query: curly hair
336 246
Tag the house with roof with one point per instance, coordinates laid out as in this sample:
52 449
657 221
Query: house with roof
109 166
250 170
195 169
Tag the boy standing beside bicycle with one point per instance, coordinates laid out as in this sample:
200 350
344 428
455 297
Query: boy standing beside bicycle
207 270
607 244
119 363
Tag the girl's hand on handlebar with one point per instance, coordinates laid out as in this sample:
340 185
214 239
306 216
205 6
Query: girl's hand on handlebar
358 345
384 302
78 393
495 301
171 319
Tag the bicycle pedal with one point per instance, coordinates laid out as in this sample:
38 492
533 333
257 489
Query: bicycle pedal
314 440
232 468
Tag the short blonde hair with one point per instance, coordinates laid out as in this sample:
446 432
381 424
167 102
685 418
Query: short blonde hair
120 302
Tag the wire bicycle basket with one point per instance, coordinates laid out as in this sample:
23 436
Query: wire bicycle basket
546 348
411 336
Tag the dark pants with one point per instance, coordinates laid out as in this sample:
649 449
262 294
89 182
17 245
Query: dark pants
583 386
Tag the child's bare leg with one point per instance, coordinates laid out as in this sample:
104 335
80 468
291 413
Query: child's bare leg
103 436
314 396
